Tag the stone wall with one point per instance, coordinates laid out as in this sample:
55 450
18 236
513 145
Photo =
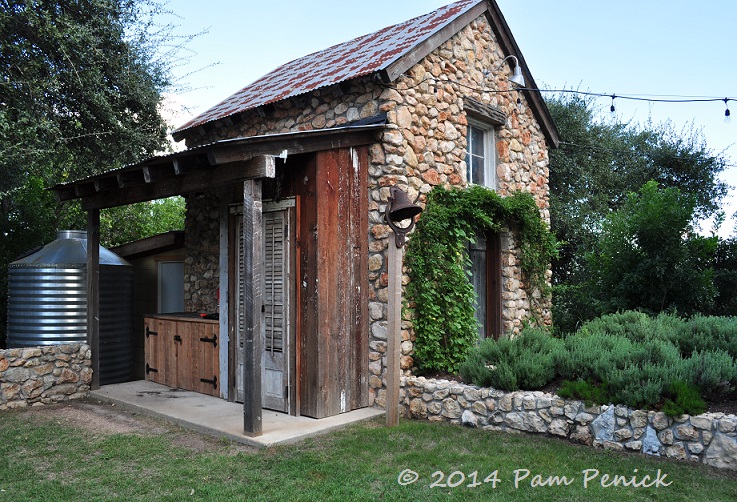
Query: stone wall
202 261
44 375
423 145
710 438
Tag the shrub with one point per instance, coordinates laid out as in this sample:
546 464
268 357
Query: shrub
586 390
703 333
590 355
714 372
525 362
683 398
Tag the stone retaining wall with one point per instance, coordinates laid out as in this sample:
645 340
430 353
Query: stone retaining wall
710 438
44 375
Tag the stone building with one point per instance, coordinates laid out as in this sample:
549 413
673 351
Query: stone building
286 183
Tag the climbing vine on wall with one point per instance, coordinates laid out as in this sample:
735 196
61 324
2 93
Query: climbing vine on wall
440 295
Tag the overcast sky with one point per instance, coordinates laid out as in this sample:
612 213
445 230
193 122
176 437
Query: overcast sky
655 49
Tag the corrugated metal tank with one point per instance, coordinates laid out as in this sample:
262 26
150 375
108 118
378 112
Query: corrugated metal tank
47 302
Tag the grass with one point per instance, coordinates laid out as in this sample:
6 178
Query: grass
41 459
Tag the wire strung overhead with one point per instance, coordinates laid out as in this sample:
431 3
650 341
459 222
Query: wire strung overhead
651 98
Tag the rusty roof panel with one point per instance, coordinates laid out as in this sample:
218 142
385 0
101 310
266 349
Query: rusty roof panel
358 57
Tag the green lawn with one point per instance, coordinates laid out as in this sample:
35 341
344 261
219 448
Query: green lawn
46 459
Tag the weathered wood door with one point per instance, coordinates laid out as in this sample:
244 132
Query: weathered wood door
277 328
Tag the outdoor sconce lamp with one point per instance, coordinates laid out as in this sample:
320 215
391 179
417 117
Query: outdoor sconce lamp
398 209
517 77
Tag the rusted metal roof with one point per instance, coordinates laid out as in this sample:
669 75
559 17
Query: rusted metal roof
358 57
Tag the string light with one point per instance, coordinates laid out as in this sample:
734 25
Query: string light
727 118
655 98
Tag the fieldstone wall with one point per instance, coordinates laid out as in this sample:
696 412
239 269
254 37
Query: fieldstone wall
710 438
44 375
423 145
202 261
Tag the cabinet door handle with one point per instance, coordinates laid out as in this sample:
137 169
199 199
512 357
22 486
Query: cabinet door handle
178 338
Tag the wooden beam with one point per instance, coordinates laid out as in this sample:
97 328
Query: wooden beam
195 181
252 287
394 333
130 178
109 183
93 293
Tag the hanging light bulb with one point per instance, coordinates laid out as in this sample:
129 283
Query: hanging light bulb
727 114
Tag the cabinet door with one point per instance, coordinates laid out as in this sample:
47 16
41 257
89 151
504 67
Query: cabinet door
183 349
206 364
155 351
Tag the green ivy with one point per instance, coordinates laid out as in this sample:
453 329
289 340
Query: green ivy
440 295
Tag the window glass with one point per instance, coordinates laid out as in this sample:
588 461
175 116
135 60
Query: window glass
480 157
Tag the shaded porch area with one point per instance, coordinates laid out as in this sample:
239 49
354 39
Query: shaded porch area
220 418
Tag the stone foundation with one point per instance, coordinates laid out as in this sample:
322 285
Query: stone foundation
710 438
44 375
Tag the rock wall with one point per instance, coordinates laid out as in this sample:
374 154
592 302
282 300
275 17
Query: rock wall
202 261
44 375
710 438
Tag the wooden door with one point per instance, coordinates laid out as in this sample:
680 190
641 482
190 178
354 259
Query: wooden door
275 328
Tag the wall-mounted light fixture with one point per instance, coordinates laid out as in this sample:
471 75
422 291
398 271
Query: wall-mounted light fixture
517 77
398 209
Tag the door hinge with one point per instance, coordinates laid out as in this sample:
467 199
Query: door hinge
214 381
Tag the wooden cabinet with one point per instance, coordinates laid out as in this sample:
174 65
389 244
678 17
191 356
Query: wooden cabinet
182 351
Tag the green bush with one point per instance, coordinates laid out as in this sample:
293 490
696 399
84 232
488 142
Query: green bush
701 333
683 398
714 372
628 358
525 362
586 390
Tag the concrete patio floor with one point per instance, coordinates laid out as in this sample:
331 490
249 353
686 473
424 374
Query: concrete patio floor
217 417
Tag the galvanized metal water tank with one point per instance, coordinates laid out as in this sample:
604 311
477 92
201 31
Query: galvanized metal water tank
47 302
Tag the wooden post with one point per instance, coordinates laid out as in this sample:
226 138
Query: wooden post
394 333
93 293
252 287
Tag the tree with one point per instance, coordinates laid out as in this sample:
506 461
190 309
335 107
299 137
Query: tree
648 257
80 90
598 164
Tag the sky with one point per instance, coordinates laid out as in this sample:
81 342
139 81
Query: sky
657 49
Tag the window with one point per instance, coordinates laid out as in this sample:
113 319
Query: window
485 254
171 286
486 278
480 159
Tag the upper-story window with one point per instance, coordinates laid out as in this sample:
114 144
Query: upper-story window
480 159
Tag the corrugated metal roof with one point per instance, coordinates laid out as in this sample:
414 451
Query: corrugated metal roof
358 57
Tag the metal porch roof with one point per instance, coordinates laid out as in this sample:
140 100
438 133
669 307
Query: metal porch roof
358 57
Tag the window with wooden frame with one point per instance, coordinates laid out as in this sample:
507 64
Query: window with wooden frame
485 253
480 156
